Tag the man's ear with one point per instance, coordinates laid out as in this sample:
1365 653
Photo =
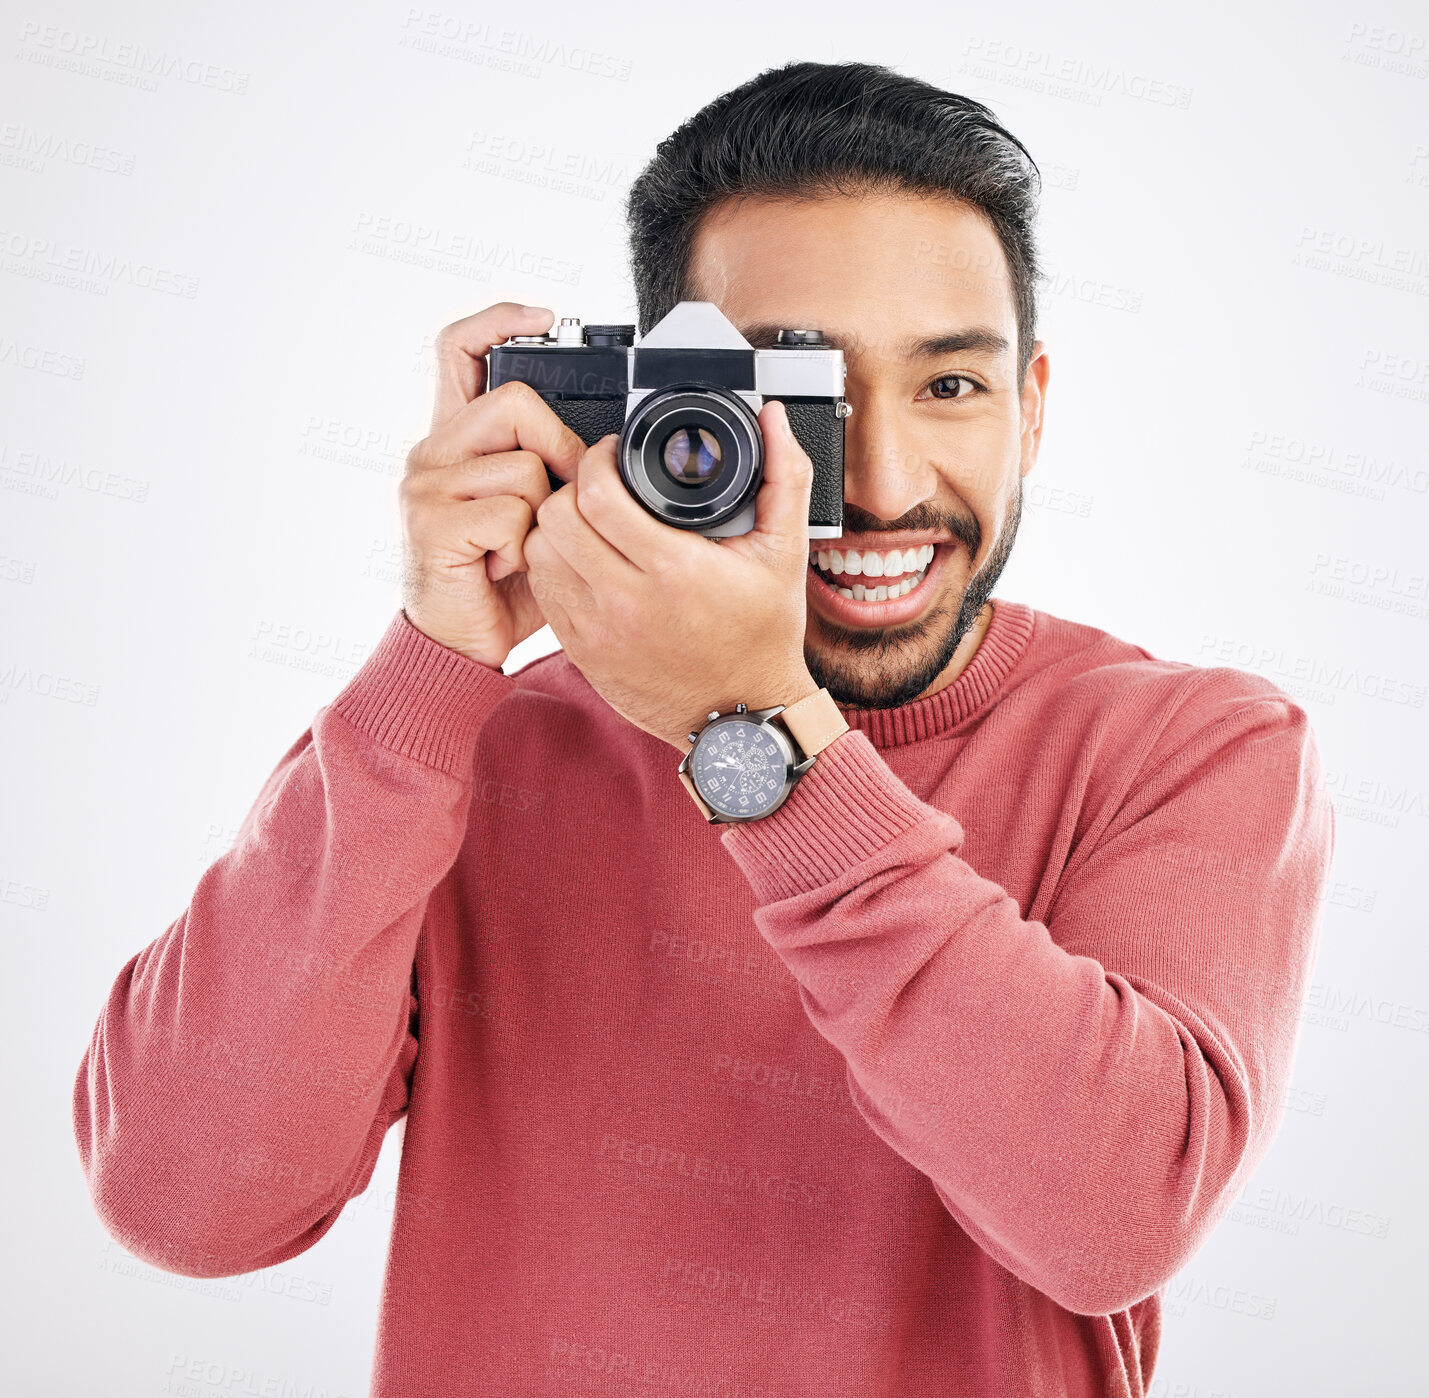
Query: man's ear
1033 403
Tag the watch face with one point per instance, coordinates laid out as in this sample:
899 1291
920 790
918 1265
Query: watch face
740 768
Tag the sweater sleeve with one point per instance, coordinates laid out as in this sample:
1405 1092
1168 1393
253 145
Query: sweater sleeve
1086 1093
248 1062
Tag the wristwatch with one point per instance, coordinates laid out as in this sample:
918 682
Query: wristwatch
744 763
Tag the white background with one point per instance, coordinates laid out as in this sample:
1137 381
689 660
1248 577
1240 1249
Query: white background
198 530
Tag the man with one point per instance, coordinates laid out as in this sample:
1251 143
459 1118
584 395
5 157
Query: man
923 1083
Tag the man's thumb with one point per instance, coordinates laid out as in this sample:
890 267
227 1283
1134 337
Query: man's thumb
781 509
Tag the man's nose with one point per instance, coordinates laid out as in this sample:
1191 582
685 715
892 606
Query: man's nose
883 472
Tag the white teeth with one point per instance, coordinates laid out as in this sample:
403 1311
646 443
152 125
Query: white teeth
884 591
904 567
868 563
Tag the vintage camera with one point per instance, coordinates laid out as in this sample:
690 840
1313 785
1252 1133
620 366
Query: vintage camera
684 402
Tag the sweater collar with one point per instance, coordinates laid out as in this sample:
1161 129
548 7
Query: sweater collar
1002 645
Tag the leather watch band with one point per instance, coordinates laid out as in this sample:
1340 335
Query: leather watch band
815 722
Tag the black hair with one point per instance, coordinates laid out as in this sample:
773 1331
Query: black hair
811 129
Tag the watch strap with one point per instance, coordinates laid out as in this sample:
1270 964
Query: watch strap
814 722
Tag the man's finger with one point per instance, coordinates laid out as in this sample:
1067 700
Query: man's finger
559 591
497 526
615 514
513 417
578 543
463 345
781 509
520 473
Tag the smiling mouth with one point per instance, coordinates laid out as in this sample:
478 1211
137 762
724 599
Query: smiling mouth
871 575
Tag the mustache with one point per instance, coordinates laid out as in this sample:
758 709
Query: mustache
922 517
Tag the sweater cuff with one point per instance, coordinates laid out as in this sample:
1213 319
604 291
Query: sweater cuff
848 808
422 699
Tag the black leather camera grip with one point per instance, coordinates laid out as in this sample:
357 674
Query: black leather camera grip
590 419
820 431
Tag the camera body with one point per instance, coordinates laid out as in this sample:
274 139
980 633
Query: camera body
684 402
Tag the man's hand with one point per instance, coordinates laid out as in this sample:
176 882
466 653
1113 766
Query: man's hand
666 624
472 489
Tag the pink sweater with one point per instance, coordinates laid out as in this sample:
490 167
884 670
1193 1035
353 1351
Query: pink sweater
923 1085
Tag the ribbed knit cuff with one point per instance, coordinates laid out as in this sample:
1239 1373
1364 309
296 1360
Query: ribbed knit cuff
420 698
848 808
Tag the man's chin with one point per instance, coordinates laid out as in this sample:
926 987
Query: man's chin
884 667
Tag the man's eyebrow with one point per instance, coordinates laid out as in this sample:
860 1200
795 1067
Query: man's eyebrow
976 339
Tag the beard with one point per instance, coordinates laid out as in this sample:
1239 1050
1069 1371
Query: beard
873 668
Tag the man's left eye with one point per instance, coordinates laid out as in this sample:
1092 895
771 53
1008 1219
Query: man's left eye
953 386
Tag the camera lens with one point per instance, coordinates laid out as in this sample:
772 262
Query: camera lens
692 455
